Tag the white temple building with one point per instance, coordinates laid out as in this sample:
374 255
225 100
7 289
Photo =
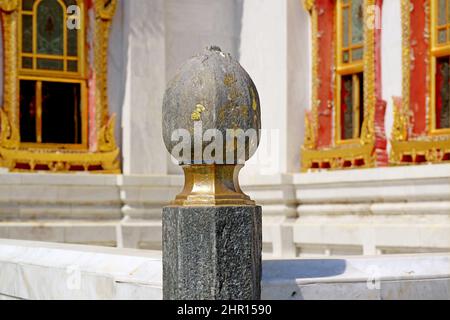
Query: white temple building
93 189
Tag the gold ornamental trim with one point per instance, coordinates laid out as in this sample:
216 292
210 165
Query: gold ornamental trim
368 127
400 125
308 4
420 152
402 110
314 122
35 160
349 157
9 134
105 9
9 5
211 185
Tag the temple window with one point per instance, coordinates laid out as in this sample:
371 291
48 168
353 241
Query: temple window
440 63
421 131
55 114
350 73
346 103
52 83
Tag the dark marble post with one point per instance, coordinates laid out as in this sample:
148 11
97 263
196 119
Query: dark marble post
212 252
212 231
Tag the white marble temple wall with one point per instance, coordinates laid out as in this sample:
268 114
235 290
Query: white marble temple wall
38 270
193 25
153 38
156 37
117 56
263 53
145 80
370 211
110 210
374 211
143 198
276 195
298 80
60 208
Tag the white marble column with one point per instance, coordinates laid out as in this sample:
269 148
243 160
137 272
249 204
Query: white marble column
299 80
275 51
117 53
194 25
391 59
144 38
159 36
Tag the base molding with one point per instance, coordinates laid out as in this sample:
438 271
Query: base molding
367 211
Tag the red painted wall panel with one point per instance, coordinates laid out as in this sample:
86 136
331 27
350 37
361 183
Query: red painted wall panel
325 73
419 86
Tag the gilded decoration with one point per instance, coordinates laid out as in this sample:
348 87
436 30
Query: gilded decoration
433 147
9 5
400 126
212 185
104 10
100 155
309 132
308 4
357 153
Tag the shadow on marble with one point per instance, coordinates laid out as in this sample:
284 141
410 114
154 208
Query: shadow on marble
304 268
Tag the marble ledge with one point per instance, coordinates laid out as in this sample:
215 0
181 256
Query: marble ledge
150 180
37 270
59 179
382 174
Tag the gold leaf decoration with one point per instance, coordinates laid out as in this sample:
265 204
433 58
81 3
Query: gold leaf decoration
106 139
9 5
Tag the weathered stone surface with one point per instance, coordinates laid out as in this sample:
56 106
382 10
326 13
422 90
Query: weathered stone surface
212 89
212 252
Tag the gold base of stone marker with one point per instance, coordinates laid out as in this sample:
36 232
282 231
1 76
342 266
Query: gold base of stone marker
212 185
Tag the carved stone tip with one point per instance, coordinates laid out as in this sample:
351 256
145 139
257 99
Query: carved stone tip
214 48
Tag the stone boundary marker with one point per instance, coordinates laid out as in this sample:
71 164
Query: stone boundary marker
212 233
